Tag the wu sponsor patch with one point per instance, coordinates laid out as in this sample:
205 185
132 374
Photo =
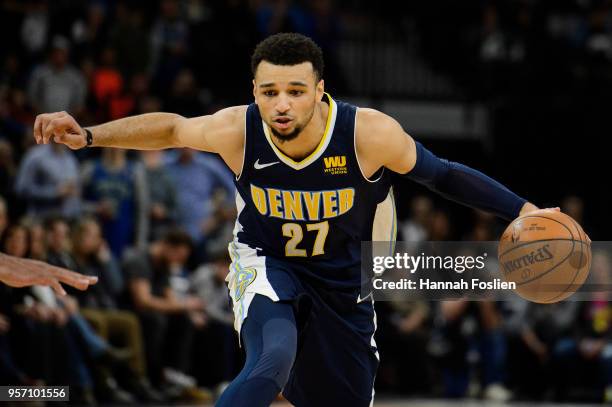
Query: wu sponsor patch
335 165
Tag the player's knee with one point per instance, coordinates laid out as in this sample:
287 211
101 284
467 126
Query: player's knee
278 353
281 360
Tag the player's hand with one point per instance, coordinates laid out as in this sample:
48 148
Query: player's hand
529 207
26 272
61 128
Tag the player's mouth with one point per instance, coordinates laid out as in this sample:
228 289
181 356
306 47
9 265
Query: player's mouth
282 122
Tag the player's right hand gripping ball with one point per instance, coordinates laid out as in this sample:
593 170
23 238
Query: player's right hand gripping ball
547 254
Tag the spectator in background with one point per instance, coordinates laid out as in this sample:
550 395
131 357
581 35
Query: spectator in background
282 16
38 246
404 332
53 351
184 98
414 229
57 238
220 226
439 228
16 120
236 20
89 30
485 228
10 373
12 75
208 282
534 331
8 171
135 98
161 199
167 327
146 102
35 29
587 348
57 234
56 85
196 177
130 38
107 83
169 44
100 305
114 188
471 333
574 207
48 180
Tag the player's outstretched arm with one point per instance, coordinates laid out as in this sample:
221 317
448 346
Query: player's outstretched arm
382 142
18 272
152 131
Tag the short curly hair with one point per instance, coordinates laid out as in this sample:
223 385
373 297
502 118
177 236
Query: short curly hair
288 49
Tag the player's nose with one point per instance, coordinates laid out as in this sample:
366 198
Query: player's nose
282 105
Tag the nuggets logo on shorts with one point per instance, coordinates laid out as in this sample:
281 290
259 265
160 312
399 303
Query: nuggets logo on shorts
244 277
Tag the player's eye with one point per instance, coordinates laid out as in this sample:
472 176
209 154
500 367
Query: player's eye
296 92
269 93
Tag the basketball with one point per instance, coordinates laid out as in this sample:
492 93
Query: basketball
547 254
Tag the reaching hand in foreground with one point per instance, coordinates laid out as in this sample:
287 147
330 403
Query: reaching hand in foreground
18 272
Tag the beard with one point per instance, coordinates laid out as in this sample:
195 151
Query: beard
284 137
288 136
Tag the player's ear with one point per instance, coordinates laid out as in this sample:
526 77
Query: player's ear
254 90
320 89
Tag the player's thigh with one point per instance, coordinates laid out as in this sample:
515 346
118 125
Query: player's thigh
269 335
337 361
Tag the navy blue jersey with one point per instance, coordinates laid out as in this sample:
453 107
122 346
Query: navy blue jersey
314 212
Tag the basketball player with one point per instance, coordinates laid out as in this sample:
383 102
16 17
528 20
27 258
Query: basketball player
311 172
18 272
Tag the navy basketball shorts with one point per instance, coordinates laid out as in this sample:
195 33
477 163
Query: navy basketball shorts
336 358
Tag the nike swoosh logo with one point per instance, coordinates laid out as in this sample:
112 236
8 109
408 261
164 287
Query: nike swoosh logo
259 166
359 299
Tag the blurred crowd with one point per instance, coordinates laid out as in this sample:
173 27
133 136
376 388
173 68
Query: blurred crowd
154 226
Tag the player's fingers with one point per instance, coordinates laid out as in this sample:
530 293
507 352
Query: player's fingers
38 129
45 120
75 280
71 278
59 126
56 124
57 287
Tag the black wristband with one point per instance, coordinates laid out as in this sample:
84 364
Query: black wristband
88 138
